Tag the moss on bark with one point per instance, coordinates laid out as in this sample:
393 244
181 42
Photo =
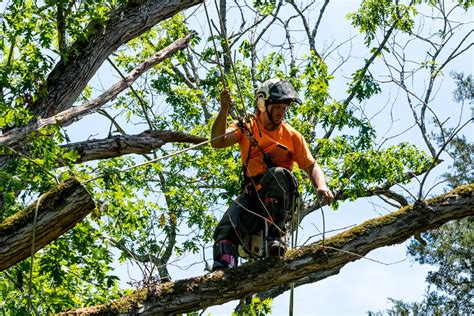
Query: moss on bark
48 200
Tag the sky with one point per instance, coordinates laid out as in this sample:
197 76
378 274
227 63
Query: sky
363 285
360 286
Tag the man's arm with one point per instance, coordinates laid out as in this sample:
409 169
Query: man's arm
222 136
318 179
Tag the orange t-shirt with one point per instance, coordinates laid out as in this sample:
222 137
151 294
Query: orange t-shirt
285 145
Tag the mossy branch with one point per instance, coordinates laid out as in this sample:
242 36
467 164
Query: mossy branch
58 211
318 260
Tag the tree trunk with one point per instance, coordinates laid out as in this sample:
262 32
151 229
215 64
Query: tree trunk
58 210
319 260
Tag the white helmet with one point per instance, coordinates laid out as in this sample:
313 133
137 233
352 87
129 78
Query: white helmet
277 90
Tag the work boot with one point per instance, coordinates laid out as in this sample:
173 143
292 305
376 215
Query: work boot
225 255
276 247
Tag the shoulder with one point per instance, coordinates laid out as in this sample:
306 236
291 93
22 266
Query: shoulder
291 130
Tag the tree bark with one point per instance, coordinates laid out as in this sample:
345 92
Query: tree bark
68 79
319 260
119 145
58 211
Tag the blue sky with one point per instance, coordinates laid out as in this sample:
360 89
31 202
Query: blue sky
360 286
365 285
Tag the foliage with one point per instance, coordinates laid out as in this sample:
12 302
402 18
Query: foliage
73 271
376 14
448 248
450 290
464 88
359 170
462 152
460 149
156 215
265 6
256 307
363 85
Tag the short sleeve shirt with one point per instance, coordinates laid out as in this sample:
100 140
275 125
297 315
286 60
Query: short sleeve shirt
285 146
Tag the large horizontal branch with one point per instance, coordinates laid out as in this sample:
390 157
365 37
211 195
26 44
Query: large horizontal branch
20 134
71 75
381 190
120 145
58 210
319 258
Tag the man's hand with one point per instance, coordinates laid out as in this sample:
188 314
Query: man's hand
220 136
325 195
318 179
226 99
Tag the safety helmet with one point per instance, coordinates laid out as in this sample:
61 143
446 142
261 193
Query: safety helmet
276 91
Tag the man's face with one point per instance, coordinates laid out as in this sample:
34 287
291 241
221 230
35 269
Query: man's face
277 111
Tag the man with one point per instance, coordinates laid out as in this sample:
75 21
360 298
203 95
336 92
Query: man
269 148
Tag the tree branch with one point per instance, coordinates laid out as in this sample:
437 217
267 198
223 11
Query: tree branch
70 76
61 25
194 86
320 17
59 210
120 145
368 63
20 134
317 260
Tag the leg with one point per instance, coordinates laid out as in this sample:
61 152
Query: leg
236 223
278 192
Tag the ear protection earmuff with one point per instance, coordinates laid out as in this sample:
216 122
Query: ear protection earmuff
261 103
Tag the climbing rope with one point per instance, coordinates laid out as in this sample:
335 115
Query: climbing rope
224 83
227 48
229 56
32 258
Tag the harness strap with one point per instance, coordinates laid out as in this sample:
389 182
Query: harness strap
267 160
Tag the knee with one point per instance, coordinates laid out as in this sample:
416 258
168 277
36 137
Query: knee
280 179
278 171
275 174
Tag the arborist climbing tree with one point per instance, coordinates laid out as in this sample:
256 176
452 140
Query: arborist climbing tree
269 148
